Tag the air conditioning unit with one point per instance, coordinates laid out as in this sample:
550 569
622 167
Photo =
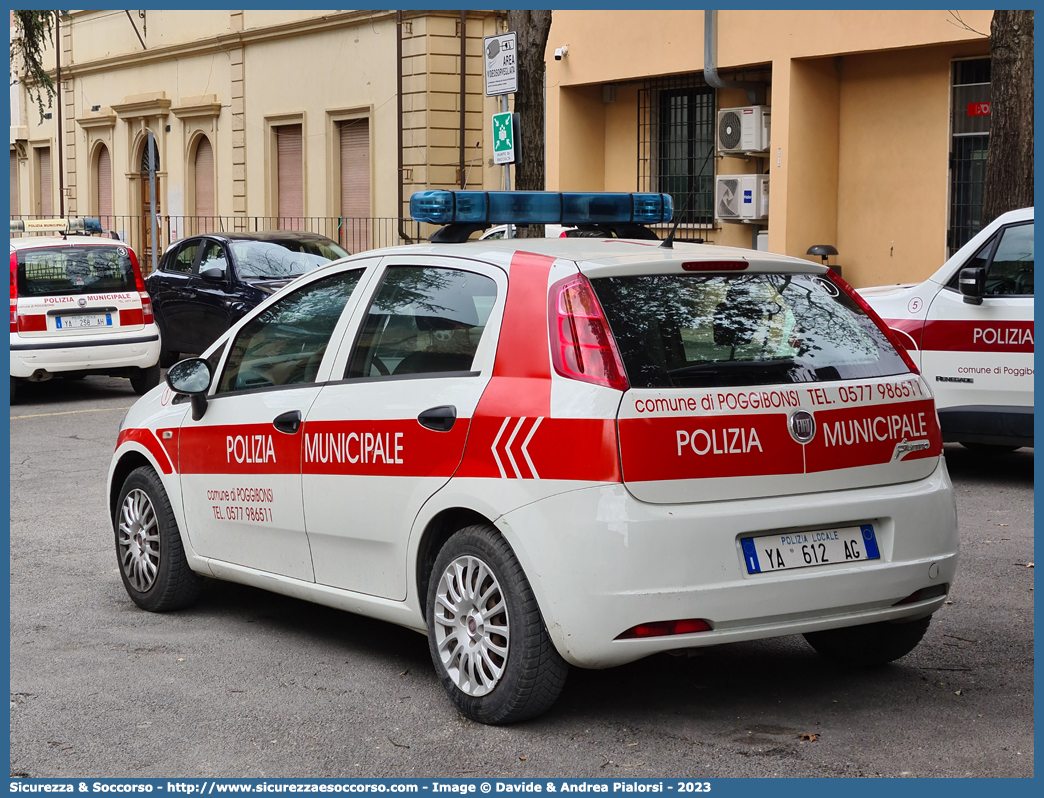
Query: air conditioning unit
745 129
741 198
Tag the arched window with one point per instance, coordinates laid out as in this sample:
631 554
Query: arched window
145 156
103 182
203 179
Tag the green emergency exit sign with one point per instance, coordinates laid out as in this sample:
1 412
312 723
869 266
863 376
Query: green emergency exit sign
504 138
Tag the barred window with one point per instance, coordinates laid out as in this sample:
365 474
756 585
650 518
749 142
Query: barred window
676 145
969 146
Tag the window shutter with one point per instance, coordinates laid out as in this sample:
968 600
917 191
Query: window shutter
290 188
104 182
15 210
355 185
45 182
204 180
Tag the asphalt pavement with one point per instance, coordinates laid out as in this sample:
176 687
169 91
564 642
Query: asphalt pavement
247 683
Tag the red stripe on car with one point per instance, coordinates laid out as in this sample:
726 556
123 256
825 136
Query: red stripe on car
978 336
147 438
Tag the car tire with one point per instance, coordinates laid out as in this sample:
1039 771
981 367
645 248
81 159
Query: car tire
146 380
520 673
149 551
989 449
14 390
870 644
168 358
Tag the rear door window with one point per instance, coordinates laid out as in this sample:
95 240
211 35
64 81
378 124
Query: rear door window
57 271
423 321
682 331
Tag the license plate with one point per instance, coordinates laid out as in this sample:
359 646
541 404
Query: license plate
848 544
83 320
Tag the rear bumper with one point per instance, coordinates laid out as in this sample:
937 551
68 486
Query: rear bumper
42 356
623 563
1005 426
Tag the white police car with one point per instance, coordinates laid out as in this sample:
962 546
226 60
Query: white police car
969 327
79 307
546 452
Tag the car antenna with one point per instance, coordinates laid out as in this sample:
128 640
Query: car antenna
668 243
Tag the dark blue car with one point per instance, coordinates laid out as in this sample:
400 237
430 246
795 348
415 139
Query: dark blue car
206 283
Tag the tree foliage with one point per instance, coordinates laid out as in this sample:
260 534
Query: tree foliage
34 30
1009 163
532 28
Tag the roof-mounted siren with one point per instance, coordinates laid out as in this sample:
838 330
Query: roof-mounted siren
83 225
744 130
462 213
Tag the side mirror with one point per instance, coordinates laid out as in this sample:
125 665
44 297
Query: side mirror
972 283
191 377
213 274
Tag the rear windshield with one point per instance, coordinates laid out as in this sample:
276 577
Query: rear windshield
75 270
680 331
278 260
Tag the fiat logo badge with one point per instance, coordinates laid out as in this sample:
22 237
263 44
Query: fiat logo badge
802 426
82 302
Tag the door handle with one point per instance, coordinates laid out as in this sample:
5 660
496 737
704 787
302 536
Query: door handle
439 419
288 422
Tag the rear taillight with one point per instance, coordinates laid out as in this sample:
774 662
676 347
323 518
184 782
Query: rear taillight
14 292
146 300
663 628
582 347
893 339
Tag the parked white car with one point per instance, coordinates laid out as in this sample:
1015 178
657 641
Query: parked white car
78 307
551 452
969 328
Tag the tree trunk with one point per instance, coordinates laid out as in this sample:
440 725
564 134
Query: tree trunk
532 28
1009 163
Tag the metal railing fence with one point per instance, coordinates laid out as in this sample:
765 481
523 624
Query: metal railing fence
355 234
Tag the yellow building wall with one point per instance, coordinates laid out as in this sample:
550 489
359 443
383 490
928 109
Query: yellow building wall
811 189
893 170
346 70
860 119
582 120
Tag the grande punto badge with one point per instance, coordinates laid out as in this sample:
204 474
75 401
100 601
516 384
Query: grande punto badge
81 302
802 426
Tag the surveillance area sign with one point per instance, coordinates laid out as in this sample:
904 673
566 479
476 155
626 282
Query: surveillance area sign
501 54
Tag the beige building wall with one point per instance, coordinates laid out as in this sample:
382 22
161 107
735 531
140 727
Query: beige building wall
860 101
234 77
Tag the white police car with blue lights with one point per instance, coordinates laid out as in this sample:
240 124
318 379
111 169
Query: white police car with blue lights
552 452
79 307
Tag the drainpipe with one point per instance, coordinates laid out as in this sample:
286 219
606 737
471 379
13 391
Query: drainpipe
463 87
398 102
61 153
710 61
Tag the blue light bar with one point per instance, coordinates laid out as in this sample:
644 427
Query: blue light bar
540 207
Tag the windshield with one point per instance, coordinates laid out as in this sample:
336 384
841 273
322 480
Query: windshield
75 270
679 331
280 260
